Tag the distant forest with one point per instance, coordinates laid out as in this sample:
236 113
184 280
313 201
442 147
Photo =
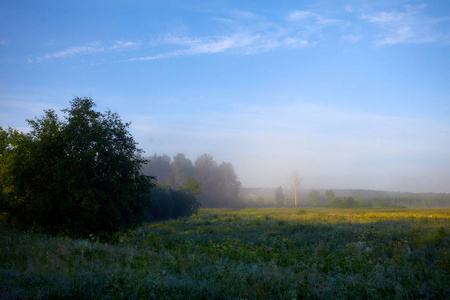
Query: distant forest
265 197
219 184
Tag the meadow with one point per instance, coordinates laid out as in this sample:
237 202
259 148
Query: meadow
312 253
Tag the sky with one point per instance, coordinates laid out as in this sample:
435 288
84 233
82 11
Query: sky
350 94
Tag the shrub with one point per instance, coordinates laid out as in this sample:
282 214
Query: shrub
168 203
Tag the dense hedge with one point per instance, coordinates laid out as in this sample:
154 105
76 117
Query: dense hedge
168 203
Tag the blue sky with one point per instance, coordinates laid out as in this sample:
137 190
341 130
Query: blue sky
351 94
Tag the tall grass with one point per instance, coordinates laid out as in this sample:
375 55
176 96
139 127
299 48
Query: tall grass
253 253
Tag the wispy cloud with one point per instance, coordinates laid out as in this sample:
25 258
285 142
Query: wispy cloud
247 34
239 43
210 46
242 33
74 51
310 25
410 25
193 46
306 15
89 49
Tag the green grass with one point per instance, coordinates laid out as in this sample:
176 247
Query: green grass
250 254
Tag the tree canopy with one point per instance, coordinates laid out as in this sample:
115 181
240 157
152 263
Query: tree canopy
82 173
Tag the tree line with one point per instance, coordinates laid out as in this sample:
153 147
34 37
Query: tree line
339 198
379 199
215 185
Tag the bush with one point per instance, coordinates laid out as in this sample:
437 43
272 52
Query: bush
168 203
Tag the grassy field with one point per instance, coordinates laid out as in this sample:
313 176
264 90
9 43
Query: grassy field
243 254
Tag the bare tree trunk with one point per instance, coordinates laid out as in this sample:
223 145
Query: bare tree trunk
295 181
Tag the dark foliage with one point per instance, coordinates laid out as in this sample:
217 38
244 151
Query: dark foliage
168 203
81 174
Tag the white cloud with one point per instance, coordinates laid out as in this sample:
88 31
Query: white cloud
194 46
210 46
243 33
74 51
384 17
246 33
123 44
239 43
410 25
294 42
301 15
89 49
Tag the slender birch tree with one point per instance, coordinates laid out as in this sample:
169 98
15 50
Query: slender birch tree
296 185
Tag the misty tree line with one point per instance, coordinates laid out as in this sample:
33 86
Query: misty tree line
219 184
329 199
378 199
266 197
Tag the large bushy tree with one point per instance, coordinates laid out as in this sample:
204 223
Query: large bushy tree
81 173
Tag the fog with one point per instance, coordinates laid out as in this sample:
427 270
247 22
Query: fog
330 148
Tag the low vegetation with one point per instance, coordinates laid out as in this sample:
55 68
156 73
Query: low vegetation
253 253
